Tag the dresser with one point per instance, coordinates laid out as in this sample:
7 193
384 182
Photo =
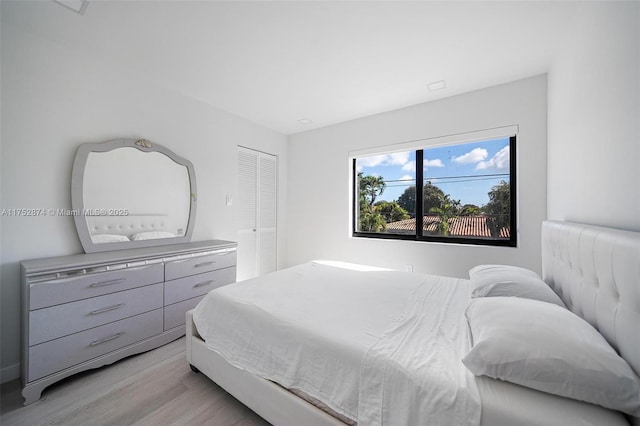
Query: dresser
85 311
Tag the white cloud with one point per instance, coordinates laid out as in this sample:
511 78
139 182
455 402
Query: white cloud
398 158
473 156
433 163
372 161
499 161
408 177
410 166
395 159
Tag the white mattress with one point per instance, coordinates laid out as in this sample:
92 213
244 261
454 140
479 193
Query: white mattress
358 339
508 404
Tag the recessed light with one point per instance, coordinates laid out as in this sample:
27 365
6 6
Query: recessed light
78 6
305 121
436 85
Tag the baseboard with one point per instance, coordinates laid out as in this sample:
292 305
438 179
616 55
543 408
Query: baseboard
9 373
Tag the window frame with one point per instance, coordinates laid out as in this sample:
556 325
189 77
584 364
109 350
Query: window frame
419 214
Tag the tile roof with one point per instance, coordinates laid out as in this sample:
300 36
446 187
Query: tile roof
460 226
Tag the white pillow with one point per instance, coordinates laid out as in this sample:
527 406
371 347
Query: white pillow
108 238
151 235
545 347
504 280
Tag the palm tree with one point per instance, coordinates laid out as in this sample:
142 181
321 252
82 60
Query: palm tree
370 187
449 209
372 222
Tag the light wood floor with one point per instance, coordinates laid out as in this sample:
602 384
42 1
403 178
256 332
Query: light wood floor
154 388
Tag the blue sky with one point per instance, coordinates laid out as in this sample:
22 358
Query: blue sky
462 171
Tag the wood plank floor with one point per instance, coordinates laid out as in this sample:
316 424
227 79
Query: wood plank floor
154 388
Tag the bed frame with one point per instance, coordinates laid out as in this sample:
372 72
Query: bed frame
270 401
595 270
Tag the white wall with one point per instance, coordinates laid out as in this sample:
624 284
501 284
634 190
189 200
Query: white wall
318 191
594 118
54 99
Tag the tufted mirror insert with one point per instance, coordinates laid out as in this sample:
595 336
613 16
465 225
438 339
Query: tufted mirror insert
129 193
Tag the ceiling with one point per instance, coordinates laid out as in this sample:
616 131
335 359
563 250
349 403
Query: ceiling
277 62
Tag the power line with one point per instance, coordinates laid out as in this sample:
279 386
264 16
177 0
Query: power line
441 181
467 176
474 177
465 180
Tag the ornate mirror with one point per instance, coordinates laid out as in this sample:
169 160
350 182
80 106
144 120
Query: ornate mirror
129 193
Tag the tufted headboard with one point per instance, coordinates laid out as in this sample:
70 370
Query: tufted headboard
596 272
126 225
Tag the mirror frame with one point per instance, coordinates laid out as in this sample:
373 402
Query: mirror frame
77 196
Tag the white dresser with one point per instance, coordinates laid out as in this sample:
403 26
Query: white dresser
85 311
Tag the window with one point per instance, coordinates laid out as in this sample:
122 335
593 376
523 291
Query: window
457 193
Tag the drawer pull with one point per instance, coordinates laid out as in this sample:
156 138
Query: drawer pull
200 265
202 284
106 339
110 308
109 282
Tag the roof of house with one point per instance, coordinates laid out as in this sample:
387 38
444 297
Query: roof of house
459 226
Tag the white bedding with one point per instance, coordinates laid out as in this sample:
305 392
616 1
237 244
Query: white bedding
414 374
313 326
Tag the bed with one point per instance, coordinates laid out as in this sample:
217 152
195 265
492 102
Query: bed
330 343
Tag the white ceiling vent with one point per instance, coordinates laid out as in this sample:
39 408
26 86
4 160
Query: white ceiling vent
437 85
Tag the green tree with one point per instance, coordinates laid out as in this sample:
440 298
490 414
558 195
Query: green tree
370 221
499 208
432 196
370 187
449 209
390 211
470 210
407 200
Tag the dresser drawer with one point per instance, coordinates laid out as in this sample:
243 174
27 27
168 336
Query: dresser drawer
199 264
61 320
56 355
174 315
55 292
197 285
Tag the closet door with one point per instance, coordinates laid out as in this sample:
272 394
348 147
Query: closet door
257 213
